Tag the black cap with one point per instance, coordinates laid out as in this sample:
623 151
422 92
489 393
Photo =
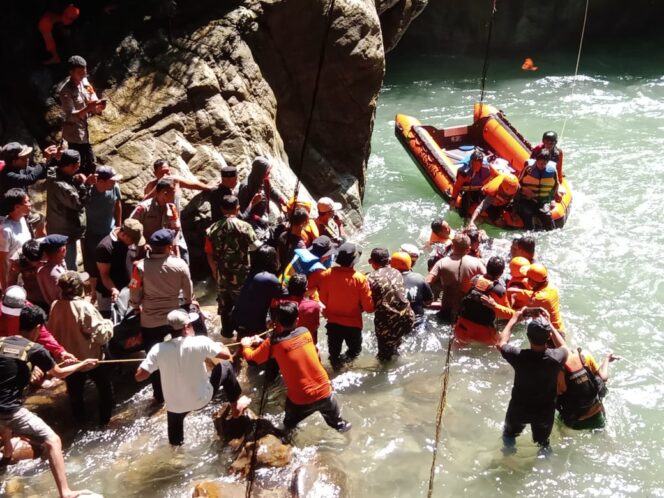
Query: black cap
348 254
76 61
322 246
228 172
52 241
539 331
70 156
107 173
162 237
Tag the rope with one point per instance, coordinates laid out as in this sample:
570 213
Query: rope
485 67
576 69
300 167
439 414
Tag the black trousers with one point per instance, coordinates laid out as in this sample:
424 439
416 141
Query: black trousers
88 160
529 209
101 376
336 336
541 423
152 336
222 376
328 408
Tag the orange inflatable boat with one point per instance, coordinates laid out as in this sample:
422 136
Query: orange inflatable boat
440 152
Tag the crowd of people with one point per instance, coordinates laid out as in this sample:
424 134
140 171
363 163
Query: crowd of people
275 275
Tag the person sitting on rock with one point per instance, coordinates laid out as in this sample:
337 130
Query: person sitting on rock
472 175
21 358
329 222
308 385
186 383
50 20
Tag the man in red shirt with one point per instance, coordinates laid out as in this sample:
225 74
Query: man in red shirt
308 384
308 309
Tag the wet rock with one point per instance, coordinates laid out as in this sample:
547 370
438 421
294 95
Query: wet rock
320 477
23 450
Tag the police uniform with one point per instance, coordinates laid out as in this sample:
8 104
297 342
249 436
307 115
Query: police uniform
73 98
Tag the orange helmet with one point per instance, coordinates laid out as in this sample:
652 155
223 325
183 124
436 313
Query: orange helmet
401 261
510 184
516 264
536 273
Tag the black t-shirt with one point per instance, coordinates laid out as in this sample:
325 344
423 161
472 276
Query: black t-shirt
253 303
535 375
15 374
287 242
418 291
116 253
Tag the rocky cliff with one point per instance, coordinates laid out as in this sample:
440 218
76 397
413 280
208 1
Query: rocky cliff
207 85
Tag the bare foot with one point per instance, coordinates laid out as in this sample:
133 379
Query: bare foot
75 494
240 406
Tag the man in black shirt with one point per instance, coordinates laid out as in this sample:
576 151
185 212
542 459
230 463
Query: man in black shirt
19 355
227 186
535 381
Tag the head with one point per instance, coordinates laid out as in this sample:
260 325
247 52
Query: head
15 155
538 276
542 159
106 178
549 139
348 255
229 176
69 163
474 236
297 285
162 241
495 267
299 219
164 191
78 68
230 205
326 209
131 232
260 168
16 203
30 322
323 248
460 244
515 267
31 251
401 261
180 322
161 168
524 247
509 185
264 259
69 15
379 258
13 301
476 159
413 251
538 332
285 316
54 247
71 285
441 228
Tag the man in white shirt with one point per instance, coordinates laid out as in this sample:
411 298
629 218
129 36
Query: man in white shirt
186 383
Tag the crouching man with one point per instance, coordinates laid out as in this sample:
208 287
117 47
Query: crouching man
308 385
186 383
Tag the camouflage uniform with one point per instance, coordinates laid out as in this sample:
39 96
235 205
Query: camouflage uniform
231 239
393 316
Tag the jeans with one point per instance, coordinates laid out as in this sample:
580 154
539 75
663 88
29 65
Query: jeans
70 257
336 336
222 376
76 386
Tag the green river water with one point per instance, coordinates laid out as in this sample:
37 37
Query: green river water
606 263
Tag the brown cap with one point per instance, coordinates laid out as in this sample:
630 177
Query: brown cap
134 229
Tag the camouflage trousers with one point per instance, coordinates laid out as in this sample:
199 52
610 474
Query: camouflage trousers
226 297
390 327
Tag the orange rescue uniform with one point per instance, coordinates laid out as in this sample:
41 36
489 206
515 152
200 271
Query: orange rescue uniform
345 294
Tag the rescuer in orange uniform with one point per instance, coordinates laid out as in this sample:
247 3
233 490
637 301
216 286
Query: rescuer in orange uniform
309 388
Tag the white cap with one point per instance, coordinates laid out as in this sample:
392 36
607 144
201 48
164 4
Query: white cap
13 301
411 249
325 205
179 319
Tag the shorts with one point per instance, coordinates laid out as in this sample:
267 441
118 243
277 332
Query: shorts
25 423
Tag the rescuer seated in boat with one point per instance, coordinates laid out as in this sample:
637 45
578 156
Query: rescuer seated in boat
499 194
539 188
581 388
476 321
550 143
471 177
536 372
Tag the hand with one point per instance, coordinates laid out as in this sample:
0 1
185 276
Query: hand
488 301
89 364
255 341
612 357
337 219
245 342
518 315
258 197
67 358
240 406
115 294
50 151
37 376
91 180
